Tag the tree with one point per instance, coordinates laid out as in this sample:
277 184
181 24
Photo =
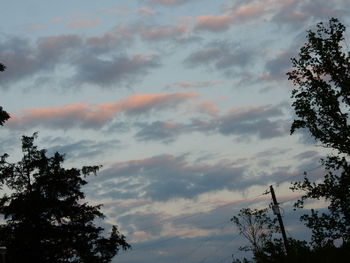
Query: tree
46 217
258 228
321 75
4 116
321 100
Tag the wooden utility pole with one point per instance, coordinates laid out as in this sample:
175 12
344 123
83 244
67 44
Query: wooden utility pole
276 211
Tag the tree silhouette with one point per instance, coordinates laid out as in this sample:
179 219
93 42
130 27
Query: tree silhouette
46 216
321 100
258 228
4 116
321 75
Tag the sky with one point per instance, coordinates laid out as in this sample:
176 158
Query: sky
185 103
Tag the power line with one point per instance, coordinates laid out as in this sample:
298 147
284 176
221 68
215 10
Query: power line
296 174
171 238
173 220
202 242
290 199
228 243
222 260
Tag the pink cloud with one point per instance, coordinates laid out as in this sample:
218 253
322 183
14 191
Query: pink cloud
84 22
37 26
169 3
94 116
56 20
208 107
200 84
250 10
162 32
147 11
214 23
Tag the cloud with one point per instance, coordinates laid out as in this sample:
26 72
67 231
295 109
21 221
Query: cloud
157 33
169 3
81 148
165 177
237 14
208 107
23 60
147 11
163 131
253 121
307 155
213 23
36 62
113 71
263 122
94 116
201 84
223 56
120 36
84 23
292 13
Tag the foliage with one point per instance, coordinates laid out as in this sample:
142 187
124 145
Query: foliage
321 75
4 116
46 217
335 188
257 227
299 251
321 100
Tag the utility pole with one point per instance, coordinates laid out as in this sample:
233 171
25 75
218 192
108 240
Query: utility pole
276 211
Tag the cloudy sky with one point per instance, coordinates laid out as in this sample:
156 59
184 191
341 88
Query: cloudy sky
185 103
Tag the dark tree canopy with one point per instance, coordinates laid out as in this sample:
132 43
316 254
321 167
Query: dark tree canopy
257 227
4 116
321 100
46 217
321 75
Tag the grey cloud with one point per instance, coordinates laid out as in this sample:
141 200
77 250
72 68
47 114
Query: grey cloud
83 148
116 70
167 177
119 37
9 143
278 67
145 222
169 3
223 238
159 131
159 33
297 13
200 84
24 60
223 56
254 121
264 122
306 155
272 152
39 61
